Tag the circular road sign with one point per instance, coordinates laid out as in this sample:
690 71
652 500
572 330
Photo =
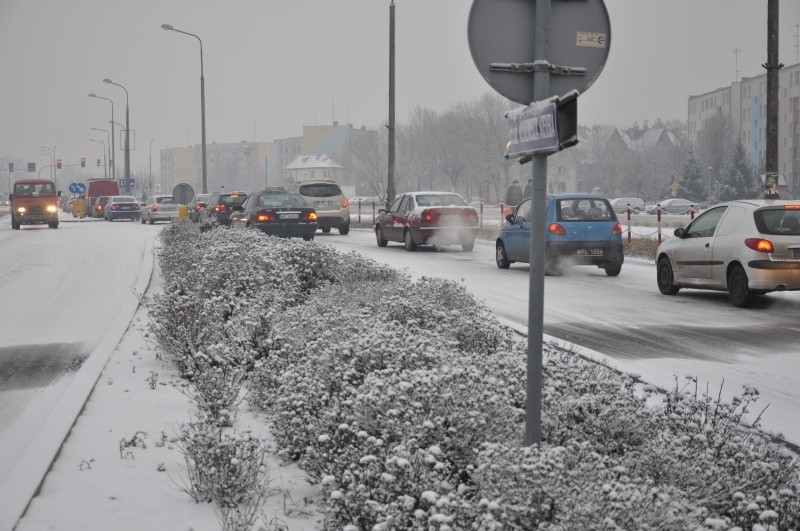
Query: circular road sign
182 193
503 31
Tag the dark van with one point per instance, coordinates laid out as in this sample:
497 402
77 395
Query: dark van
97 188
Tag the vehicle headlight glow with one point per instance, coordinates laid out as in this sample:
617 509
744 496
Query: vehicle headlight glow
21 210
51 208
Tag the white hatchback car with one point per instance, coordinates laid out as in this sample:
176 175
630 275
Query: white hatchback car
746 248
159 208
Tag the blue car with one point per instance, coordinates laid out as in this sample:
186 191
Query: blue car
581 229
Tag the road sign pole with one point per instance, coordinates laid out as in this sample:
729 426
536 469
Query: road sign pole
541 91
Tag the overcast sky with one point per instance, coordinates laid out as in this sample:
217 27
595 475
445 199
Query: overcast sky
272 66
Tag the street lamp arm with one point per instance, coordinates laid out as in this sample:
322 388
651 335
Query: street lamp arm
170 27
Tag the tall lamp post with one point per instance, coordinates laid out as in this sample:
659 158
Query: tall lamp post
51 152
105 174
169 27
108 137
127 139
112 153
150 184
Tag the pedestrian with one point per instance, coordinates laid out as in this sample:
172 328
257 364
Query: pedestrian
528 189
514 194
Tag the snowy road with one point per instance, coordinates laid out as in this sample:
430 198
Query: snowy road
61 292
626 319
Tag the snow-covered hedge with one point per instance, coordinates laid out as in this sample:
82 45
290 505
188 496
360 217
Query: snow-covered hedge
405 399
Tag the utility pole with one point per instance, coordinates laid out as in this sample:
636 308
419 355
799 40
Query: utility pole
772 66
390 191
736 51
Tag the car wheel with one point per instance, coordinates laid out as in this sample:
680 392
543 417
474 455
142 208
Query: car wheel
613 269
152 221
553 266
326 230
110 218
738 290
409 241
379 237
344 229
14 224
308 238
142 220
665 278
468 245
53 225
501 257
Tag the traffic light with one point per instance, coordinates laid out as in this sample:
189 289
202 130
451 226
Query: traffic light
83 162
10 166
58 164
98 163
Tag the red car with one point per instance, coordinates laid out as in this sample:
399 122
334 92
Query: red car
435 218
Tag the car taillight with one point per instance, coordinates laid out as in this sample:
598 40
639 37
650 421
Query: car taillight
219 208
311 216
265 216
345 203
115 207
197 208
426 216
617 229
762 246
135 207
557 229
791 207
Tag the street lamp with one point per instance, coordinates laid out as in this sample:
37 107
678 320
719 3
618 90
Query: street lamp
150 185
105 174
112 152
127 138
108 137
51 152
169 27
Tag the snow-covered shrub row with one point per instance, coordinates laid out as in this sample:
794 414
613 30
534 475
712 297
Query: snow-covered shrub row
406 400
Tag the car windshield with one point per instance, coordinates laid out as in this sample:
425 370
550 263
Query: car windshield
434 200
233 199
583 209
165 200
778 221
277 201
45 189
320 190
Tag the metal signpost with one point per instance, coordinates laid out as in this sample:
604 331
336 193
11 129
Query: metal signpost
539 51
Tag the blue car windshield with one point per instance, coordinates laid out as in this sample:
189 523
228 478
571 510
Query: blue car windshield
584 209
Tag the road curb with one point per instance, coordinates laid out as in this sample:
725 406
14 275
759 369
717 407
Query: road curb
22 484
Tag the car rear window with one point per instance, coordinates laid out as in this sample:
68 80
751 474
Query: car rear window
165 200
582 209
433 200
275 201
233 199
123 199
778 221
320 190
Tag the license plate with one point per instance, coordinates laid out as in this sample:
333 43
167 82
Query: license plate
323 203
289 216
590 252
125 208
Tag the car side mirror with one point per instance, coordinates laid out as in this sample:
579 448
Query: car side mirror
381 210
58 193
10 197
680 233
510 218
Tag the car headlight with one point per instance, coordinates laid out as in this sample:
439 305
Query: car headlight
21 210
51 208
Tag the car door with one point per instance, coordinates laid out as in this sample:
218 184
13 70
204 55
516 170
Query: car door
239 217
388 229
693 257
517 234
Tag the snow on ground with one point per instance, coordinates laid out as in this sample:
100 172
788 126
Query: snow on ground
138 486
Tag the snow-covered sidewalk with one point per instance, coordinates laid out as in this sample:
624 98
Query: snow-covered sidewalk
120 469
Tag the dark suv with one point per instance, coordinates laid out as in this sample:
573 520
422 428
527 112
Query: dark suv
333 208
219 207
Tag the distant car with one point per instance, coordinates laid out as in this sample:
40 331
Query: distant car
622 204
672 205
159 208
99 206
327 198
581 229
277 214
219 207
746 248
122 207
197 204
435 218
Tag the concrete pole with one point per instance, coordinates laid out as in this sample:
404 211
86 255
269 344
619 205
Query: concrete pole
390 189
773 67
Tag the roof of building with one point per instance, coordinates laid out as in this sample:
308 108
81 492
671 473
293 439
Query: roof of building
312 161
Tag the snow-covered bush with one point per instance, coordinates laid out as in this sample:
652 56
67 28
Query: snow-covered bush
225 467
216 385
